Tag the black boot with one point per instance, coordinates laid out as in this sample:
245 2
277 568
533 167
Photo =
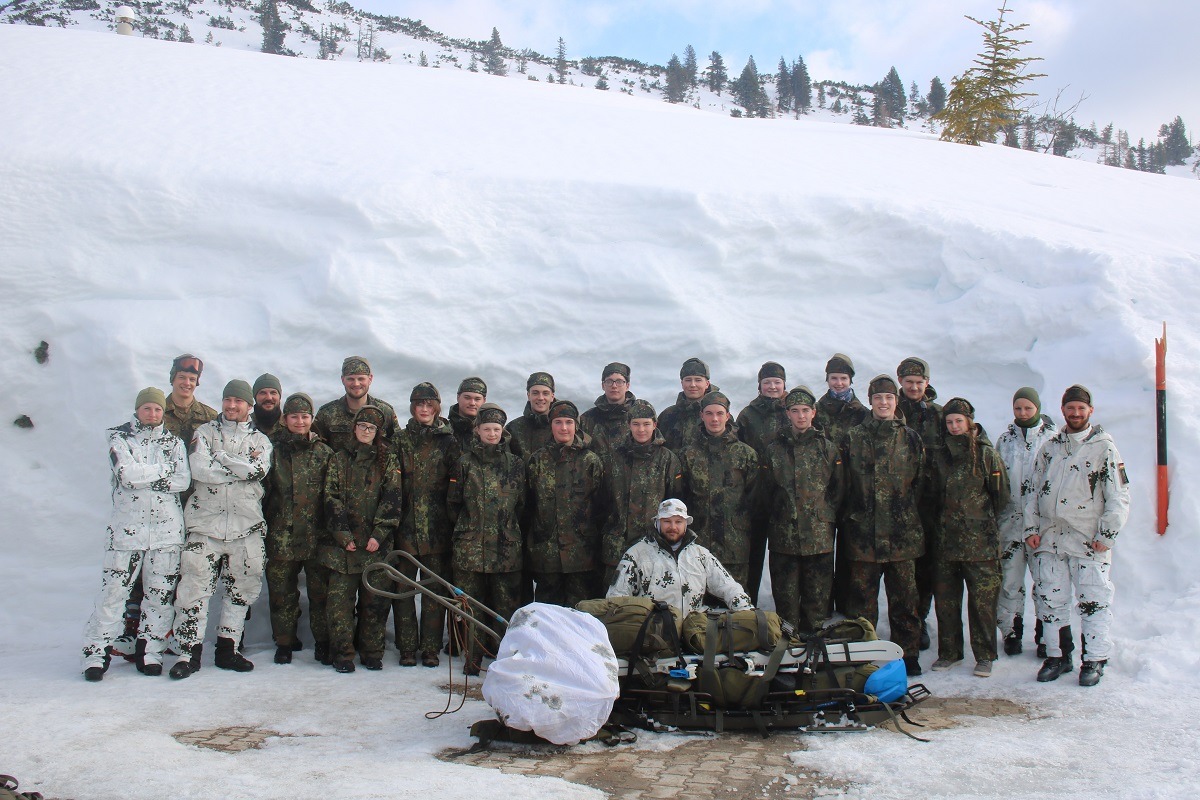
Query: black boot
1053 667
912 666
183 669
1037 639
1091 672
1066 641
321 653
139 655
925 642
96 674
229 658
1012 642
283 654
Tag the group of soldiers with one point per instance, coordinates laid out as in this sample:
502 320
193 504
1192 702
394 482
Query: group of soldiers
558 504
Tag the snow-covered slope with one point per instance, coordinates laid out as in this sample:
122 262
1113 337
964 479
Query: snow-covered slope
273 214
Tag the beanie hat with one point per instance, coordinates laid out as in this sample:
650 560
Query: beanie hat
672 508
266 381
355 365
839 363
298 403
714 398
913 366
424 391
186 363
800 396
882 384
372 415
1030 394
957 405
490 412
615 366
239 389
475 385
563 408
771 369
150 395
540 379
693 367
641 409
1077 394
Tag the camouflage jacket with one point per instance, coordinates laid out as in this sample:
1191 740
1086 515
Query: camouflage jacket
606 423
149 469
641 476
184 423
970 487
486 499
294 504
1018 448
362 501
334 422
682 577
835 417
428 455
801 491
530 433
884 463
464 428
925 417
227 502
719 473
678 423
760 422
568 498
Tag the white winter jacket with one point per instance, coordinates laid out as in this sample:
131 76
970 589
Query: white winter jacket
227 501
650 569
149 469
1018 452
1080 495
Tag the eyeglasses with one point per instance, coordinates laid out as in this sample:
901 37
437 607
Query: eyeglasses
366 427
615 382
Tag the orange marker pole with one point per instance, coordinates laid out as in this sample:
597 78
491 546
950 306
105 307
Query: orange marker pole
1160 359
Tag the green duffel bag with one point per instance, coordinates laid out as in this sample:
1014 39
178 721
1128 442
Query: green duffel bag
859 629
628 618
737 631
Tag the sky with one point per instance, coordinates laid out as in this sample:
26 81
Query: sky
1126 58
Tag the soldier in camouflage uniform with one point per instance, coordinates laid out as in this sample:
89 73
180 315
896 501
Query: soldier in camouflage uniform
643 473
472 393
607 421
719 474
801 487
364 496
838 410
568 499
969 484
267 413
679 424
294 506
334 422
884 462
924 416
531 431
429 453
486 500
757 424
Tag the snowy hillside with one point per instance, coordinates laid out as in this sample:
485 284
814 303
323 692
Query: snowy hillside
272 214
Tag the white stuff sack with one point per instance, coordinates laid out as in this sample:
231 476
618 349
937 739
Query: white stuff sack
555 674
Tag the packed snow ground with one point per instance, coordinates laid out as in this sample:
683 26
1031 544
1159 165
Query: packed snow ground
271 214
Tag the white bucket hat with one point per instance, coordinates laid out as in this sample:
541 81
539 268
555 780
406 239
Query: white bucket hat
673 508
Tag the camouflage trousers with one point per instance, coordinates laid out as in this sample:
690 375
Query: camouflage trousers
499 591
901 582
802 586
1057 576
1015 560
355 617
982 582
159 572
926 565
238 564
283 592
566 588
428 637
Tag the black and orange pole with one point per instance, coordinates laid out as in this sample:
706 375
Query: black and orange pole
1160 359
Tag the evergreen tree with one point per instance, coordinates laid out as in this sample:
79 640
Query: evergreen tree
523 62
716 76
422 60
169 36
1176 148
895 103
748 92
272 25
860 116
915 100
209 38
838 108
560 61
185 35
937 96
474 65
1029 141
783 87
801 87
493 56
985 97
589 66
690 67
602 83
676 82
820 95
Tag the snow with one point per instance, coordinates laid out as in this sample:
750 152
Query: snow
275 214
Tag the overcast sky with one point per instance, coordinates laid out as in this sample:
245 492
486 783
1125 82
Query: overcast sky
1127 57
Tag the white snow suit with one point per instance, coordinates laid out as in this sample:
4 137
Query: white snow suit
145 535
1080 497
225 529
650 569
1017 450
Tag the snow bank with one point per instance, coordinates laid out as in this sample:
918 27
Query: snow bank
273 214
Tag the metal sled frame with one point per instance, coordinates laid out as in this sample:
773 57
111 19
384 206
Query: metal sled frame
470 610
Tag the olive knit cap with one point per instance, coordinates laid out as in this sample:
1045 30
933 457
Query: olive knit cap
1077 394
714 399
475 385
187 363
800 396
1030 394
540 379
641 409
913 366
839 363
150 395
355 365
563 408
957 405
424 391
298 403
266 381
771 369
239 389
617 367
372 415
882 384
490 412
694 367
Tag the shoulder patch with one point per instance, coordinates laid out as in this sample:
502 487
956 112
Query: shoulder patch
1124 475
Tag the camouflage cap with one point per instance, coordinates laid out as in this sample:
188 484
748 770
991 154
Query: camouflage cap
298 403
641 409
1030 394
1078 393
266 381
563 408
150 395
475 385
355 365
672 507
187 363
372 415
424 391
694 367
239 389
540 379
800 396
839 364
882 384
714 399
771 369
490 412
913 366
957 405
618 367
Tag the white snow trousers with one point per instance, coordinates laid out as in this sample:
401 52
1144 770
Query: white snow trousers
239 566
1057 576
159 571
1015 560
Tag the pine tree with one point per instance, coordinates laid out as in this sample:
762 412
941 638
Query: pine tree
209 38
914 98
422 60
602 83
936 96
783 87
272 25
1030 136
894 102
474 65
801 87
986 97
676 81
1176 148
716 76
690 67
185 35
493 56
748 92
560 61
820 95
